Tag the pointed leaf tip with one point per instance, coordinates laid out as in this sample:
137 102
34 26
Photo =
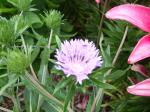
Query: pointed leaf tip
141 50
140 89
138 15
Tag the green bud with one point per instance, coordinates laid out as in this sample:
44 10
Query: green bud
17 62
7 35
53 19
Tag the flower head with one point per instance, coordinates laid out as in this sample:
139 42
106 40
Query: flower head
79 58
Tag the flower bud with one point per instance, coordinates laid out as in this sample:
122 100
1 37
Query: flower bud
17 62
53 19
97 1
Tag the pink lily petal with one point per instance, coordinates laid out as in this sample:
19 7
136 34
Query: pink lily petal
141 89
97 1
138 15
141 50
141 69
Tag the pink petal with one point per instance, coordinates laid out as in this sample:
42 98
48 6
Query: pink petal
141 69
141 89
138 15
97 1
141 50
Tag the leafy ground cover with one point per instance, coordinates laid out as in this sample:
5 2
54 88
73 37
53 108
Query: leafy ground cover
31 32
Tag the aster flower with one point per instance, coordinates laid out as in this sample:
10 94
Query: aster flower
79 58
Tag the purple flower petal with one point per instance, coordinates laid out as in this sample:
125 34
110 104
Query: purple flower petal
79 58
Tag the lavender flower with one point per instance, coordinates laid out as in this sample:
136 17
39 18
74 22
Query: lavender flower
79 58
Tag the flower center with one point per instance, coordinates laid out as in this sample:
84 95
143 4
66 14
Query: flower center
77 67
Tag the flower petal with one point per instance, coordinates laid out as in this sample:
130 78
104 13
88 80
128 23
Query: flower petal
141 89
141 50
138 15
97 1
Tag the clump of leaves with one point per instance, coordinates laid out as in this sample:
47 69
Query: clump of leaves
7 35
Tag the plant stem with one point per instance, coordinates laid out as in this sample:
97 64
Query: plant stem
101 22
26 51
50 39
40 89
44 71
120 46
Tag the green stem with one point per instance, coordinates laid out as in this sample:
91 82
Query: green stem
101 22
26 51
44 71
50 39
120 46
40 89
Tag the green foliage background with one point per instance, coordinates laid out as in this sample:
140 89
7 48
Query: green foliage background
31 30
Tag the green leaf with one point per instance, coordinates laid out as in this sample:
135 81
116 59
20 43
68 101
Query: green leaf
117 74
49 107
105 53
20 24
7 10
102 84
58 41
62 84
100 72
64 35
69 95
40 89
10 82
30 100
33 19
22 5
90 102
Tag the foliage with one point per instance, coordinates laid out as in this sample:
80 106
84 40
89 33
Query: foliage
30 32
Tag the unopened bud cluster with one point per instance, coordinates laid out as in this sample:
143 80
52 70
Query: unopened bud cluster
17 62
53 19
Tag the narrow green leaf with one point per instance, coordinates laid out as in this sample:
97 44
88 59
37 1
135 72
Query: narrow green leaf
89 105
40 88
117 74
58 41
102 84
105 53
7 10
69 95
7 85
61 84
